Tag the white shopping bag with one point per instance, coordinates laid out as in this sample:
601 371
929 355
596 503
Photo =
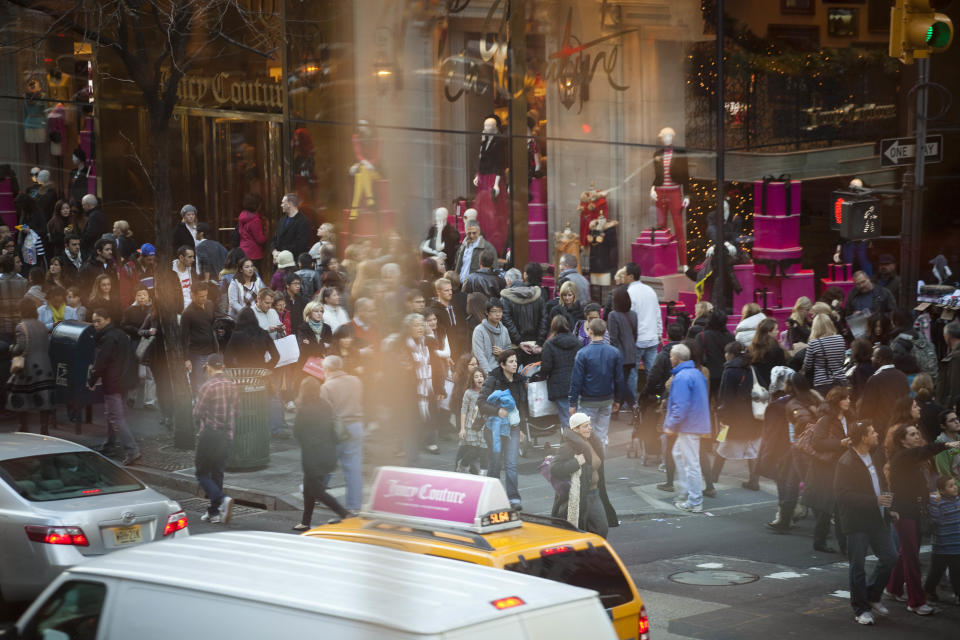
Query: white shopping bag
289 350
537 400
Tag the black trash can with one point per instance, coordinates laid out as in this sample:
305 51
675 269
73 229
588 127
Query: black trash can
72 348
251 438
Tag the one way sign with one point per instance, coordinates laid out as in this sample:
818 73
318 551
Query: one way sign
897 151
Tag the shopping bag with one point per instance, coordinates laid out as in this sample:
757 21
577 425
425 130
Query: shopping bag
314 367
289 350
537 400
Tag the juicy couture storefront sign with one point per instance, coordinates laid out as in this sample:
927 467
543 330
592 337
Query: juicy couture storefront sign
226 89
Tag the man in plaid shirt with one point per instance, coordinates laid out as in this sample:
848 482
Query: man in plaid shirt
215 415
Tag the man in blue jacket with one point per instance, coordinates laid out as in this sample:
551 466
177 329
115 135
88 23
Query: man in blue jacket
597 380
688 416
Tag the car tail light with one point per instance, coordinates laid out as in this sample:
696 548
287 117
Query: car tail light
643 626
57 535
508 603
552 551
175 522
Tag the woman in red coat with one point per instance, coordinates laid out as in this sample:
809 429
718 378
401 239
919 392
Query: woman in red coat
253 237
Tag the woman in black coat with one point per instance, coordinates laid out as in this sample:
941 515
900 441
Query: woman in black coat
313 335
567 305
735 410
712 341
556 365
505 377
315 429
829 442
580 450
249 344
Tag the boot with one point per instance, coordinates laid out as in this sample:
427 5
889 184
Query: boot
781 524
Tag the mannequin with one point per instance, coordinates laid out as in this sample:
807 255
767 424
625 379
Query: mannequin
848 251
603 250
34 113
366 149
442 239
534 168
491 204
57 128
670 178
566 241
78 177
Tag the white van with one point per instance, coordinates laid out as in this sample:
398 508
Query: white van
265 585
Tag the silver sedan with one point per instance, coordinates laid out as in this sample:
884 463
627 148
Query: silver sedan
61 503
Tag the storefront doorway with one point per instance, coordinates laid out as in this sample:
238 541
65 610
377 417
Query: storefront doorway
226 155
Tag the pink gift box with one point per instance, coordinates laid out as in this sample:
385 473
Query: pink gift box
547 283
747 280
537 231
667 319
656 236
770 198
843 285
537 212
842 272
655 259
760 267
776 232
689 301
539 250
538 190
797 285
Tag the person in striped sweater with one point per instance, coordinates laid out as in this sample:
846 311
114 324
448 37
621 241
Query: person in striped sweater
944 510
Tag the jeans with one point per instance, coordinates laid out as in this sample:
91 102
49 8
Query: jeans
646 355
198 372
596 520
686 455
630 376
350 454
114 410
669 441
857 249
788 481
563 411
213 450
938 564
907 568
600 420
507 457
878 539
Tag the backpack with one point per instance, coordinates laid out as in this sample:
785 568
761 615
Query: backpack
561 487
924 353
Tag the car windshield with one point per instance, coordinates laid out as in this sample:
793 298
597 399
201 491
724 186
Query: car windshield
60 476
592 568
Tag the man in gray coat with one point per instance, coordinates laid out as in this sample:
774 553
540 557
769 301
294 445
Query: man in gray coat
490 337
568 266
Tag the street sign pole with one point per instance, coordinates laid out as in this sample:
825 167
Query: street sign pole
914 179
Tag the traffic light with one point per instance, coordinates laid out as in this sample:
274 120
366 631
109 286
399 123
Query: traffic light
917 29
855 214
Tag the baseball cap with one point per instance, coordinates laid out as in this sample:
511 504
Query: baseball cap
886 258
148 250
578 419
215 361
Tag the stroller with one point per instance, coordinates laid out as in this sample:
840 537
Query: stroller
542 421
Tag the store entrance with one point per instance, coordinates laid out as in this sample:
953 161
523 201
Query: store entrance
224 157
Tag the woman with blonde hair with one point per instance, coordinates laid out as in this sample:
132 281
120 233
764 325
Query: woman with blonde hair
825 354
566 304
798 324
701 315
751 315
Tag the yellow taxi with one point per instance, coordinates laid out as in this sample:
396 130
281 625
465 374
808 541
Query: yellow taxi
468 518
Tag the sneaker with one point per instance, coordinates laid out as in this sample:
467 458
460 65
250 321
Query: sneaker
686 506
215 519
130 457
662 467
892 596
226 509
864 618
922 610
205 517
432 448
665 486
516 506
879 609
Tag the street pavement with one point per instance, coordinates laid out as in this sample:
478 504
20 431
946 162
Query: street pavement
787 589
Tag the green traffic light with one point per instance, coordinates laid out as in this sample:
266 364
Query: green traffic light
938 35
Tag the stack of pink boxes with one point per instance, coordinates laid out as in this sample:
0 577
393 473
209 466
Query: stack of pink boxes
776 278
537 230
655 252
838 275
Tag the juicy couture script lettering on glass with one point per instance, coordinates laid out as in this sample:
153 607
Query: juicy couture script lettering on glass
423 492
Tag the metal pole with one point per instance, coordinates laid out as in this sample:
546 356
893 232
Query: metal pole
912 244
722 263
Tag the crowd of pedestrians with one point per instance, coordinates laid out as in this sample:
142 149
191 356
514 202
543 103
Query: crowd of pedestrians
858 427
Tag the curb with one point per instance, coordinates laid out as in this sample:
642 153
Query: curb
248 497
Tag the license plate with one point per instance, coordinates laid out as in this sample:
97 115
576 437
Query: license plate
127 535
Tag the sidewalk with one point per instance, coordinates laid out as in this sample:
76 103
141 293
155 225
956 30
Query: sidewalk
630 485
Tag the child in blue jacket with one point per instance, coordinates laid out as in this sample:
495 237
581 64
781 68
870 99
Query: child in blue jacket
945 513
500 427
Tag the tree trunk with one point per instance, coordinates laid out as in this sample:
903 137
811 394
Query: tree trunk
166 287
